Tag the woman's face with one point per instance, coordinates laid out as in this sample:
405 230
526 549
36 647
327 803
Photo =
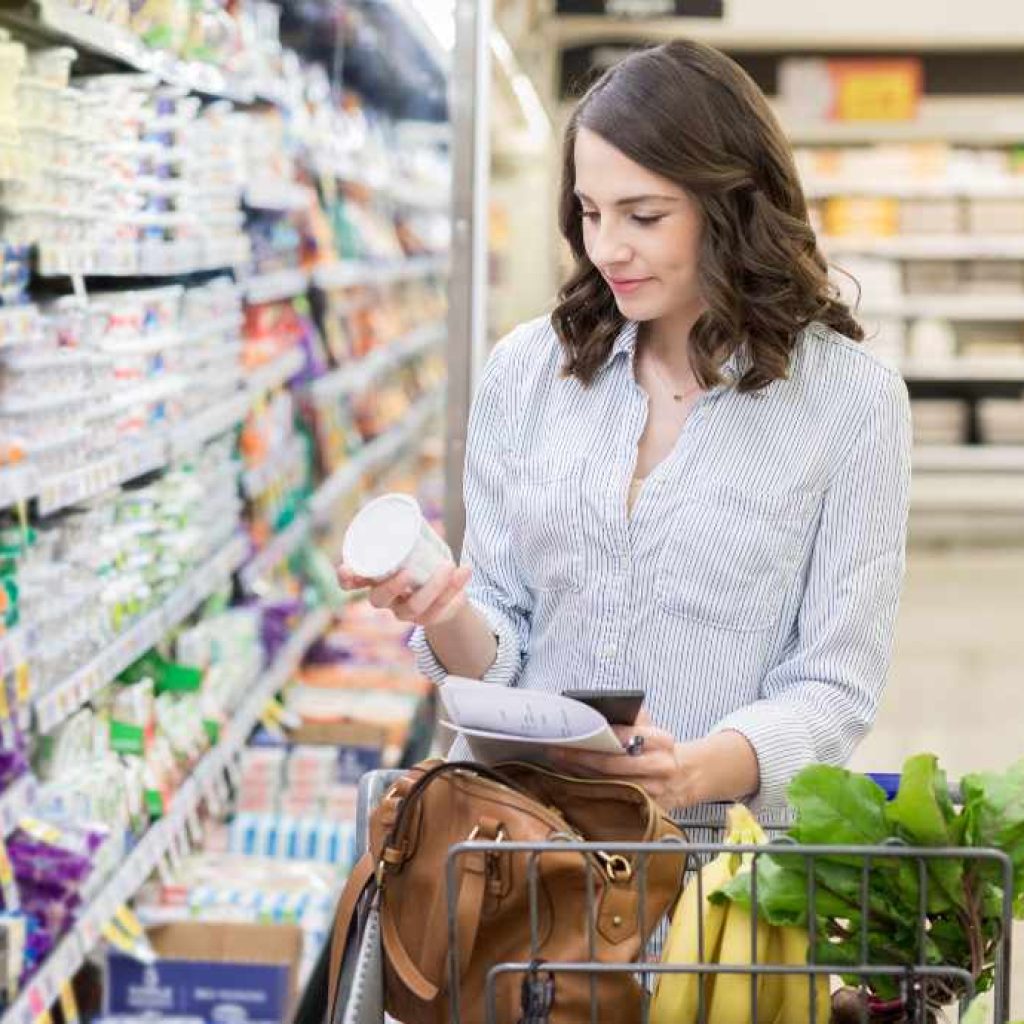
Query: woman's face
640 230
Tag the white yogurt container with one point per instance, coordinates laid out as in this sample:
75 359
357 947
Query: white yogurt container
390 534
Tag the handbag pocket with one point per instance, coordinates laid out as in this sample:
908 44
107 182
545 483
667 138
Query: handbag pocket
729 558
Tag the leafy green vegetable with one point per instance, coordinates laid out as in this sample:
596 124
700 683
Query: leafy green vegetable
993 816
964 909
837 806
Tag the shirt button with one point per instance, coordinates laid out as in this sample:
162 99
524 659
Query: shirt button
609 651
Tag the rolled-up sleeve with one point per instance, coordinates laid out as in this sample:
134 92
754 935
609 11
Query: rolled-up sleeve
821 698
496 589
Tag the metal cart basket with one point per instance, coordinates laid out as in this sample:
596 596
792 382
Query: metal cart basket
921 983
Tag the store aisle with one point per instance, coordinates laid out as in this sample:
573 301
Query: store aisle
959 654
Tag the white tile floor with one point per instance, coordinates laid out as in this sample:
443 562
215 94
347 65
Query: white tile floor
957 679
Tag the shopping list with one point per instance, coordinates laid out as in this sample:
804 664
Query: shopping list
504 723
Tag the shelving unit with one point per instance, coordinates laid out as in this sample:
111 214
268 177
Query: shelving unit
266 487
165 835
67 696
145 454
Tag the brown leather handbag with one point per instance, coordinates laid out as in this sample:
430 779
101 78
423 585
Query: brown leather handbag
440 804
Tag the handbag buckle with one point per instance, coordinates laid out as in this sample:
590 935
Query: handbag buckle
616 867
475 834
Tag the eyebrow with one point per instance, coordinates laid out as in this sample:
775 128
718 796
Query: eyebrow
629 200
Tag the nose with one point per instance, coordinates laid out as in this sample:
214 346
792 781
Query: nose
607 248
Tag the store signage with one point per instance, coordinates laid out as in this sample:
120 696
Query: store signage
643 8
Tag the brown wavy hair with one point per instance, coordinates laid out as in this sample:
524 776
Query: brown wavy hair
688 113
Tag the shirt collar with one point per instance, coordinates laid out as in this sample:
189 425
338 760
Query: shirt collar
625 344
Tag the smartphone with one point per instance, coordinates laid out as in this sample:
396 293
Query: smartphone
619 707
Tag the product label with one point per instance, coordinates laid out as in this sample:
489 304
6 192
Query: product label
68 1004
127 739
12 899
39 830
22 684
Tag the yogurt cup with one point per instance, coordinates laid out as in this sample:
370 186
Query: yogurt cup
390 534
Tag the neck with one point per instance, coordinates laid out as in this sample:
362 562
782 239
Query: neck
668 337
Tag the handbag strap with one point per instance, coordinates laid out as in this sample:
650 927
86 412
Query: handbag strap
360 877
468 912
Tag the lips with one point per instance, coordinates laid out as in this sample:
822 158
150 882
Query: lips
626 286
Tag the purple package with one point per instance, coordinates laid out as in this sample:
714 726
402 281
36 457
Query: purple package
13 764
278 618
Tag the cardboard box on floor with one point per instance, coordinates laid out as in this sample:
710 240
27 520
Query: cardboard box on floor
243 973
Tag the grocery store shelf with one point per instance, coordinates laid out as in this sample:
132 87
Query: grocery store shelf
138 456
257 481
926 247
964 368
352 273
54 706
378 453
982 497
275 374
361 375
275 286
15 802
993 188
57 22
17 483
190 436
981 133
280 548
276 196
755 31
976 458
214 422
44 989
374 456
991 308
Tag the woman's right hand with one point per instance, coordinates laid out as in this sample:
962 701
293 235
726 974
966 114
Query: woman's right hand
437 601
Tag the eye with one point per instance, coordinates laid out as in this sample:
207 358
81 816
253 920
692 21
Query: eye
590 215
646 222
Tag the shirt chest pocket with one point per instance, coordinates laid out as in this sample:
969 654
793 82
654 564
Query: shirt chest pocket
546 522
730 559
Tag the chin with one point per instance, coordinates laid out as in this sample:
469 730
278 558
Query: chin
635 309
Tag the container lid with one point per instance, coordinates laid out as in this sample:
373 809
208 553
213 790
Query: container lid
382 535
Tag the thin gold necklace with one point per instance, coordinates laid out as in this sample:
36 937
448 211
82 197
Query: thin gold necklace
677 396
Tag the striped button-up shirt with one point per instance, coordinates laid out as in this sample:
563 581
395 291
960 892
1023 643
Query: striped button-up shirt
755 585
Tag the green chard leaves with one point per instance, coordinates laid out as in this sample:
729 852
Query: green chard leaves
938 910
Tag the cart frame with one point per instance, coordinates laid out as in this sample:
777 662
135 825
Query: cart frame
915 978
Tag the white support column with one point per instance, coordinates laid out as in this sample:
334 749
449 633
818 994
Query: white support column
467 316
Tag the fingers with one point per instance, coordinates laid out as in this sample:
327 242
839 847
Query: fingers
423 598
433 602
654 738
350 581
385 594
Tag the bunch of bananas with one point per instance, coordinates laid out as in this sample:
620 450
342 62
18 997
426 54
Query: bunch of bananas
728 939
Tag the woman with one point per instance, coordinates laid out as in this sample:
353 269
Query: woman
690 478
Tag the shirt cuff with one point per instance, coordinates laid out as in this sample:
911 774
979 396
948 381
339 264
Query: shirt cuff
781 743
504 669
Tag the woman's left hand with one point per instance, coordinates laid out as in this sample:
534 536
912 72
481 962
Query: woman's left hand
661 767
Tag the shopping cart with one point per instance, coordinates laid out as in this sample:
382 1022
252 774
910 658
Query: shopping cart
923 984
